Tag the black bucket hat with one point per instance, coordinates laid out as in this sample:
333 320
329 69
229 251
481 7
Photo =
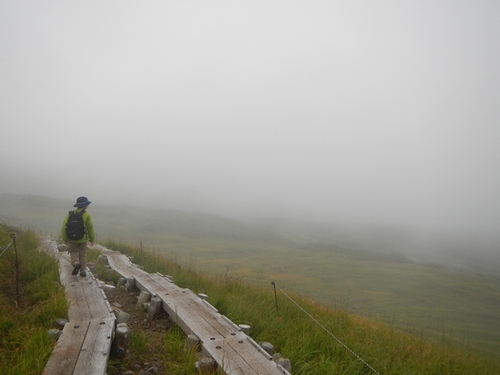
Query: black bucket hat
82 202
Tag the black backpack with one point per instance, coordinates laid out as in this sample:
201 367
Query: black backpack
75 229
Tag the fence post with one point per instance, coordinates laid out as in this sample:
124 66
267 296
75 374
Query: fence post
13 236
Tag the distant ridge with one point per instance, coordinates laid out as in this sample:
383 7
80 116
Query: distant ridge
133 223
117 221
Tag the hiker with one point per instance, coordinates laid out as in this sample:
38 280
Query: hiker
76 230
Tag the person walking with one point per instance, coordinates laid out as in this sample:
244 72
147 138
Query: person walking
77 229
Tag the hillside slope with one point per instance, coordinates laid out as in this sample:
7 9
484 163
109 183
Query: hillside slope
335 265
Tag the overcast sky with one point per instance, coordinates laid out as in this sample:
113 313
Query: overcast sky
363 110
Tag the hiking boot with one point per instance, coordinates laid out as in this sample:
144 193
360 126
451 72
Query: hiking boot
83 273
76 267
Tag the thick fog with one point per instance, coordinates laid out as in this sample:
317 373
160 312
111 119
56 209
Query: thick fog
364 111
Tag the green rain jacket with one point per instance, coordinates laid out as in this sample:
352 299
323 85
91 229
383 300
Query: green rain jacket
87 223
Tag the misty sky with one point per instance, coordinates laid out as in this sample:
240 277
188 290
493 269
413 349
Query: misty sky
362 110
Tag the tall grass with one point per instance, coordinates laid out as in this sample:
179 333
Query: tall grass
342 267
178 356
24 344
318 339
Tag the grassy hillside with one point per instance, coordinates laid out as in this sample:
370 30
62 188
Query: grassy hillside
447 305
316 339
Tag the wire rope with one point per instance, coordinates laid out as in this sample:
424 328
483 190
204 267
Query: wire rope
6 248
326 330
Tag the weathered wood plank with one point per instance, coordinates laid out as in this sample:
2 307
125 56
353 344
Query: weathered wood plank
85 343
78 306
65 268
194 317
83 294
65 354
95 349
184 307
96 301
233 350
230 360
212 318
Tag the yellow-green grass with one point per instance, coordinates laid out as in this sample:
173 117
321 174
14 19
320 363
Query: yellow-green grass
26 316
440 304
287 322
446 306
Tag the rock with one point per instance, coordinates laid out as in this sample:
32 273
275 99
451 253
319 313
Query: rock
123 317
54 333
109 290
102 259
152 369
62 247
267 346
60 323
285 363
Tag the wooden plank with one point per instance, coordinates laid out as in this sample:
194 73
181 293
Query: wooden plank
261 361
239 354
95 349
195 323
176 308
199 320
96 302
194 304
228 359
85 343
212 318
83 294
86 351
66 352
233 350
65 268
172 297
78 306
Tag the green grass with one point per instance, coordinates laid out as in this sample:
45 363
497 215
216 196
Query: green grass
287 322
177 356
24 344
438 304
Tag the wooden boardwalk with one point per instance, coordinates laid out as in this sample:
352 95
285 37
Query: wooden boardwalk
234 351
85 343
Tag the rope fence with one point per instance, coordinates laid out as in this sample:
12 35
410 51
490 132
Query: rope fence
3 249
322 326
190 266
16 264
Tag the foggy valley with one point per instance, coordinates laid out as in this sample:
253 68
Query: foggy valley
367 114
346 150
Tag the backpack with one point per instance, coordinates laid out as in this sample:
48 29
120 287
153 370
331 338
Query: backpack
75 229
